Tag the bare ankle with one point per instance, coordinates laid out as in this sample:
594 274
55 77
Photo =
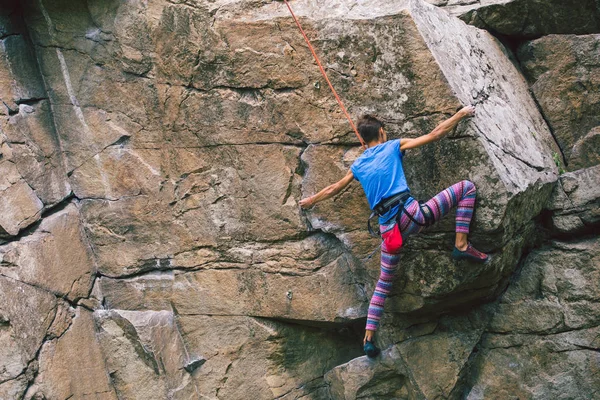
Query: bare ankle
461 241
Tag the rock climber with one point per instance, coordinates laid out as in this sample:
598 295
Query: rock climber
380 172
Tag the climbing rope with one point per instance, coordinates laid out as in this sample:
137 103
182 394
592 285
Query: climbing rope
312 50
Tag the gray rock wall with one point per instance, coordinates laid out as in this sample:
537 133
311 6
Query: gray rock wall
152 156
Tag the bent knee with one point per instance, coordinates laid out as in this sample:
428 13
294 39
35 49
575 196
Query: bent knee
469 187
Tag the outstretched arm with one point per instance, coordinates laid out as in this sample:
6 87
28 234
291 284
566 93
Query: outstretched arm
440 131
328 192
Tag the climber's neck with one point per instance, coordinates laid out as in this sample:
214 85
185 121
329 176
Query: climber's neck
373 143
382 138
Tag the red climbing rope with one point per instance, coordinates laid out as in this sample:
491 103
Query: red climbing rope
312 50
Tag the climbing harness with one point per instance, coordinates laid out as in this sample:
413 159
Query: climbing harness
312 50
399 199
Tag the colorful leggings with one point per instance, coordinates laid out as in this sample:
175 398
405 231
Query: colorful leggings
461 194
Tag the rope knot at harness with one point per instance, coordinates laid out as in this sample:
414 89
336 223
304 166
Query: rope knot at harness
312 50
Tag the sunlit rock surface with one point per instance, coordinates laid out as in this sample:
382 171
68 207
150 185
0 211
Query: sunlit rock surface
152 156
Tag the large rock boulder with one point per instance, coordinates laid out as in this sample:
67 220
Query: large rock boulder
152 158
196 164
424 364
29 146
574 207
563 71
56 257
510 170
527 18
26 314
152 355
156 187
539 341
71 364
547 321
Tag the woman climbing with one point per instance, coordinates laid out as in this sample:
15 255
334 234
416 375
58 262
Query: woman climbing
379 170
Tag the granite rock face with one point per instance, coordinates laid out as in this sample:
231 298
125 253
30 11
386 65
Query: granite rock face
152 156
575 203
564 74
527 18
56 257
538 341
32 174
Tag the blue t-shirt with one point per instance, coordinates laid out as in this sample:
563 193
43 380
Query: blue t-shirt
379 171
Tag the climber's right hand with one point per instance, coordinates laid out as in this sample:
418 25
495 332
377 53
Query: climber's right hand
467 111
306 202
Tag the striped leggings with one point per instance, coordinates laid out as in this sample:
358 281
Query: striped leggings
461 194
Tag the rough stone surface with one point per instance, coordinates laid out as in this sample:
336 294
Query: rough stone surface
586 152
564 73
56 258
575 202
152 156
27 133
538 341
26 313
363 378
547 321
19 206
145 354
269 281
527 18
72 366
294 357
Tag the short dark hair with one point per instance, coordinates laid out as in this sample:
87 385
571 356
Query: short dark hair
368 127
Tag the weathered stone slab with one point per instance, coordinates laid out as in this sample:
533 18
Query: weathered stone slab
423 365
556 291
13 389
539 341
26 83
239 195
72 366
586 150
19 206
564 74
527 18
283 281
145 354
29 126
36 152
26 313
56 258
436 361
266 358
363 378
568 361
575 202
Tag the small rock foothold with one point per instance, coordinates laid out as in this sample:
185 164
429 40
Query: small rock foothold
289 294
194 363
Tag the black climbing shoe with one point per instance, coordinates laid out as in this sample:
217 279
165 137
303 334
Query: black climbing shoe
471 254
371 350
